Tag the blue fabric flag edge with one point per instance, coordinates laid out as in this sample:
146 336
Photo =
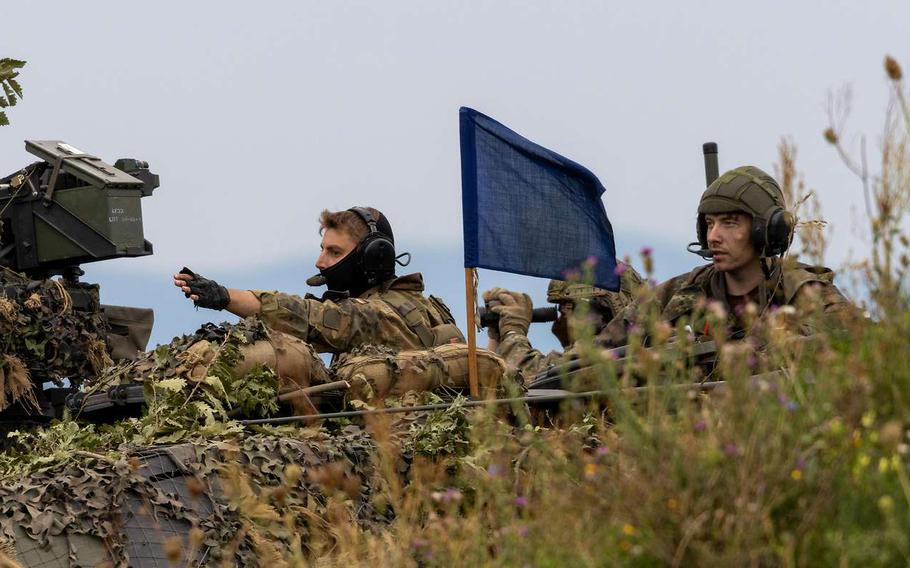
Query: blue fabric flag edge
468 121
468 186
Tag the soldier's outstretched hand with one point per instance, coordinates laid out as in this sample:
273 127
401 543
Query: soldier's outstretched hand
514 312
203 292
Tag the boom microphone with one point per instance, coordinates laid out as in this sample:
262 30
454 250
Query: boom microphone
695 248
316 280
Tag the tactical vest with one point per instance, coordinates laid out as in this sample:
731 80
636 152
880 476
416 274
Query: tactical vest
698 285
429 318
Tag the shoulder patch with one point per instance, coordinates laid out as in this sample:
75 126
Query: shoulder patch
331 318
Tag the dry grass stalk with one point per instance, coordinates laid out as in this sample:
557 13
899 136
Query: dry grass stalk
16 384
811 228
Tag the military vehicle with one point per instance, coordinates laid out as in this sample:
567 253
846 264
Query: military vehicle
159 486
67 209
170 496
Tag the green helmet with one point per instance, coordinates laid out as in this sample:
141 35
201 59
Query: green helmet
561 291
749 190
629 280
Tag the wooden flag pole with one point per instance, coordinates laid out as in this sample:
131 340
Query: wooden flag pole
472 333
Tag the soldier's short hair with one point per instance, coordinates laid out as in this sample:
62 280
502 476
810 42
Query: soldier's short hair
347 222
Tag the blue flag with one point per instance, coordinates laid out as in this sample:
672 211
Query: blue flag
528 210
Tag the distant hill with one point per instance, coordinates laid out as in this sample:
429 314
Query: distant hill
132 282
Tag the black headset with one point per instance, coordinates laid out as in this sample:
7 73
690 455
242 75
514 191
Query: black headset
376 250
770 237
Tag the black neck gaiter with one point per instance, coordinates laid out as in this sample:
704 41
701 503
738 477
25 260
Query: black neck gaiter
346 275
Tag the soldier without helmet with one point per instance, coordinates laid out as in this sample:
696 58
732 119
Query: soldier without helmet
743 226
366 303
509 339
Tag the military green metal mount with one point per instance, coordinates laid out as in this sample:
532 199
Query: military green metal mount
71 208
67 209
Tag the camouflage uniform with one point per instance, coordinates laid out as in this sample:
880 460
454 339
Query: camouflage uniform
394 314
810 289
518 354
516 349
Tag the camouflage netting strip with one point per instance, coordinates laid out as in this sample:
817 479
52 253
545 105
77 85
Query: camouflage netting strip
41 326
192 381
127 509
169 361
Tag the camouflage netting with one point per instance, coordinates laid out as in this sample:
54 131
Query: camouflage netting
198 500
234 367
54 330
76 494
227 348
219 371
185 483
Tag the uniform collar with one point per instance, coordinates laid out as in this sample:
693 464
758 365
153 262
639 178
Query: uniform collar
409 282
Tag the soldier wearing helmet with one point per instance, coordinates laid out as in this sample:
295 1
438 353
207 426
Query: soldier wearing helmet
743 227
365 304
578 304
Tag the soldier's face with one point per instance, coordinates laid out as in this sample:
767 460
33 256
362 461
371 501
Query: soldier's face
566 327
560 327
730 239
335 246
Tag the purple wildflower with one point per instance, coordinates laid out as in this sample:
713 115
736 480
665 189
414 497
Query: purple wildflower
731 449
451 495
700 425
603 450
646 251
521 501
620 268
572 275
418 543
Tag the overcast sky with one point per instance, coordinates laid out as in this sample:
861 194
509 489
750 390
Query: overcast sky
257 116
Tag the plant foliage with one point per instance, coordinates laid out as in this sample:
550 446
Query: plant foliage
12 90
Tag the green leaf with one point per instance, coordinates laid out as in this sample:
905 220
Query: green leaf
175 384
16 86
215 382
161 354
171 438
204 410
3 120
9 63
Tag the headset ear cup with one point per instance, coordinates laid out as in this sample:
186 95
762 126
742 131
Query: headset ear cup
376 251
378 258
760 235
701 231
780 231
